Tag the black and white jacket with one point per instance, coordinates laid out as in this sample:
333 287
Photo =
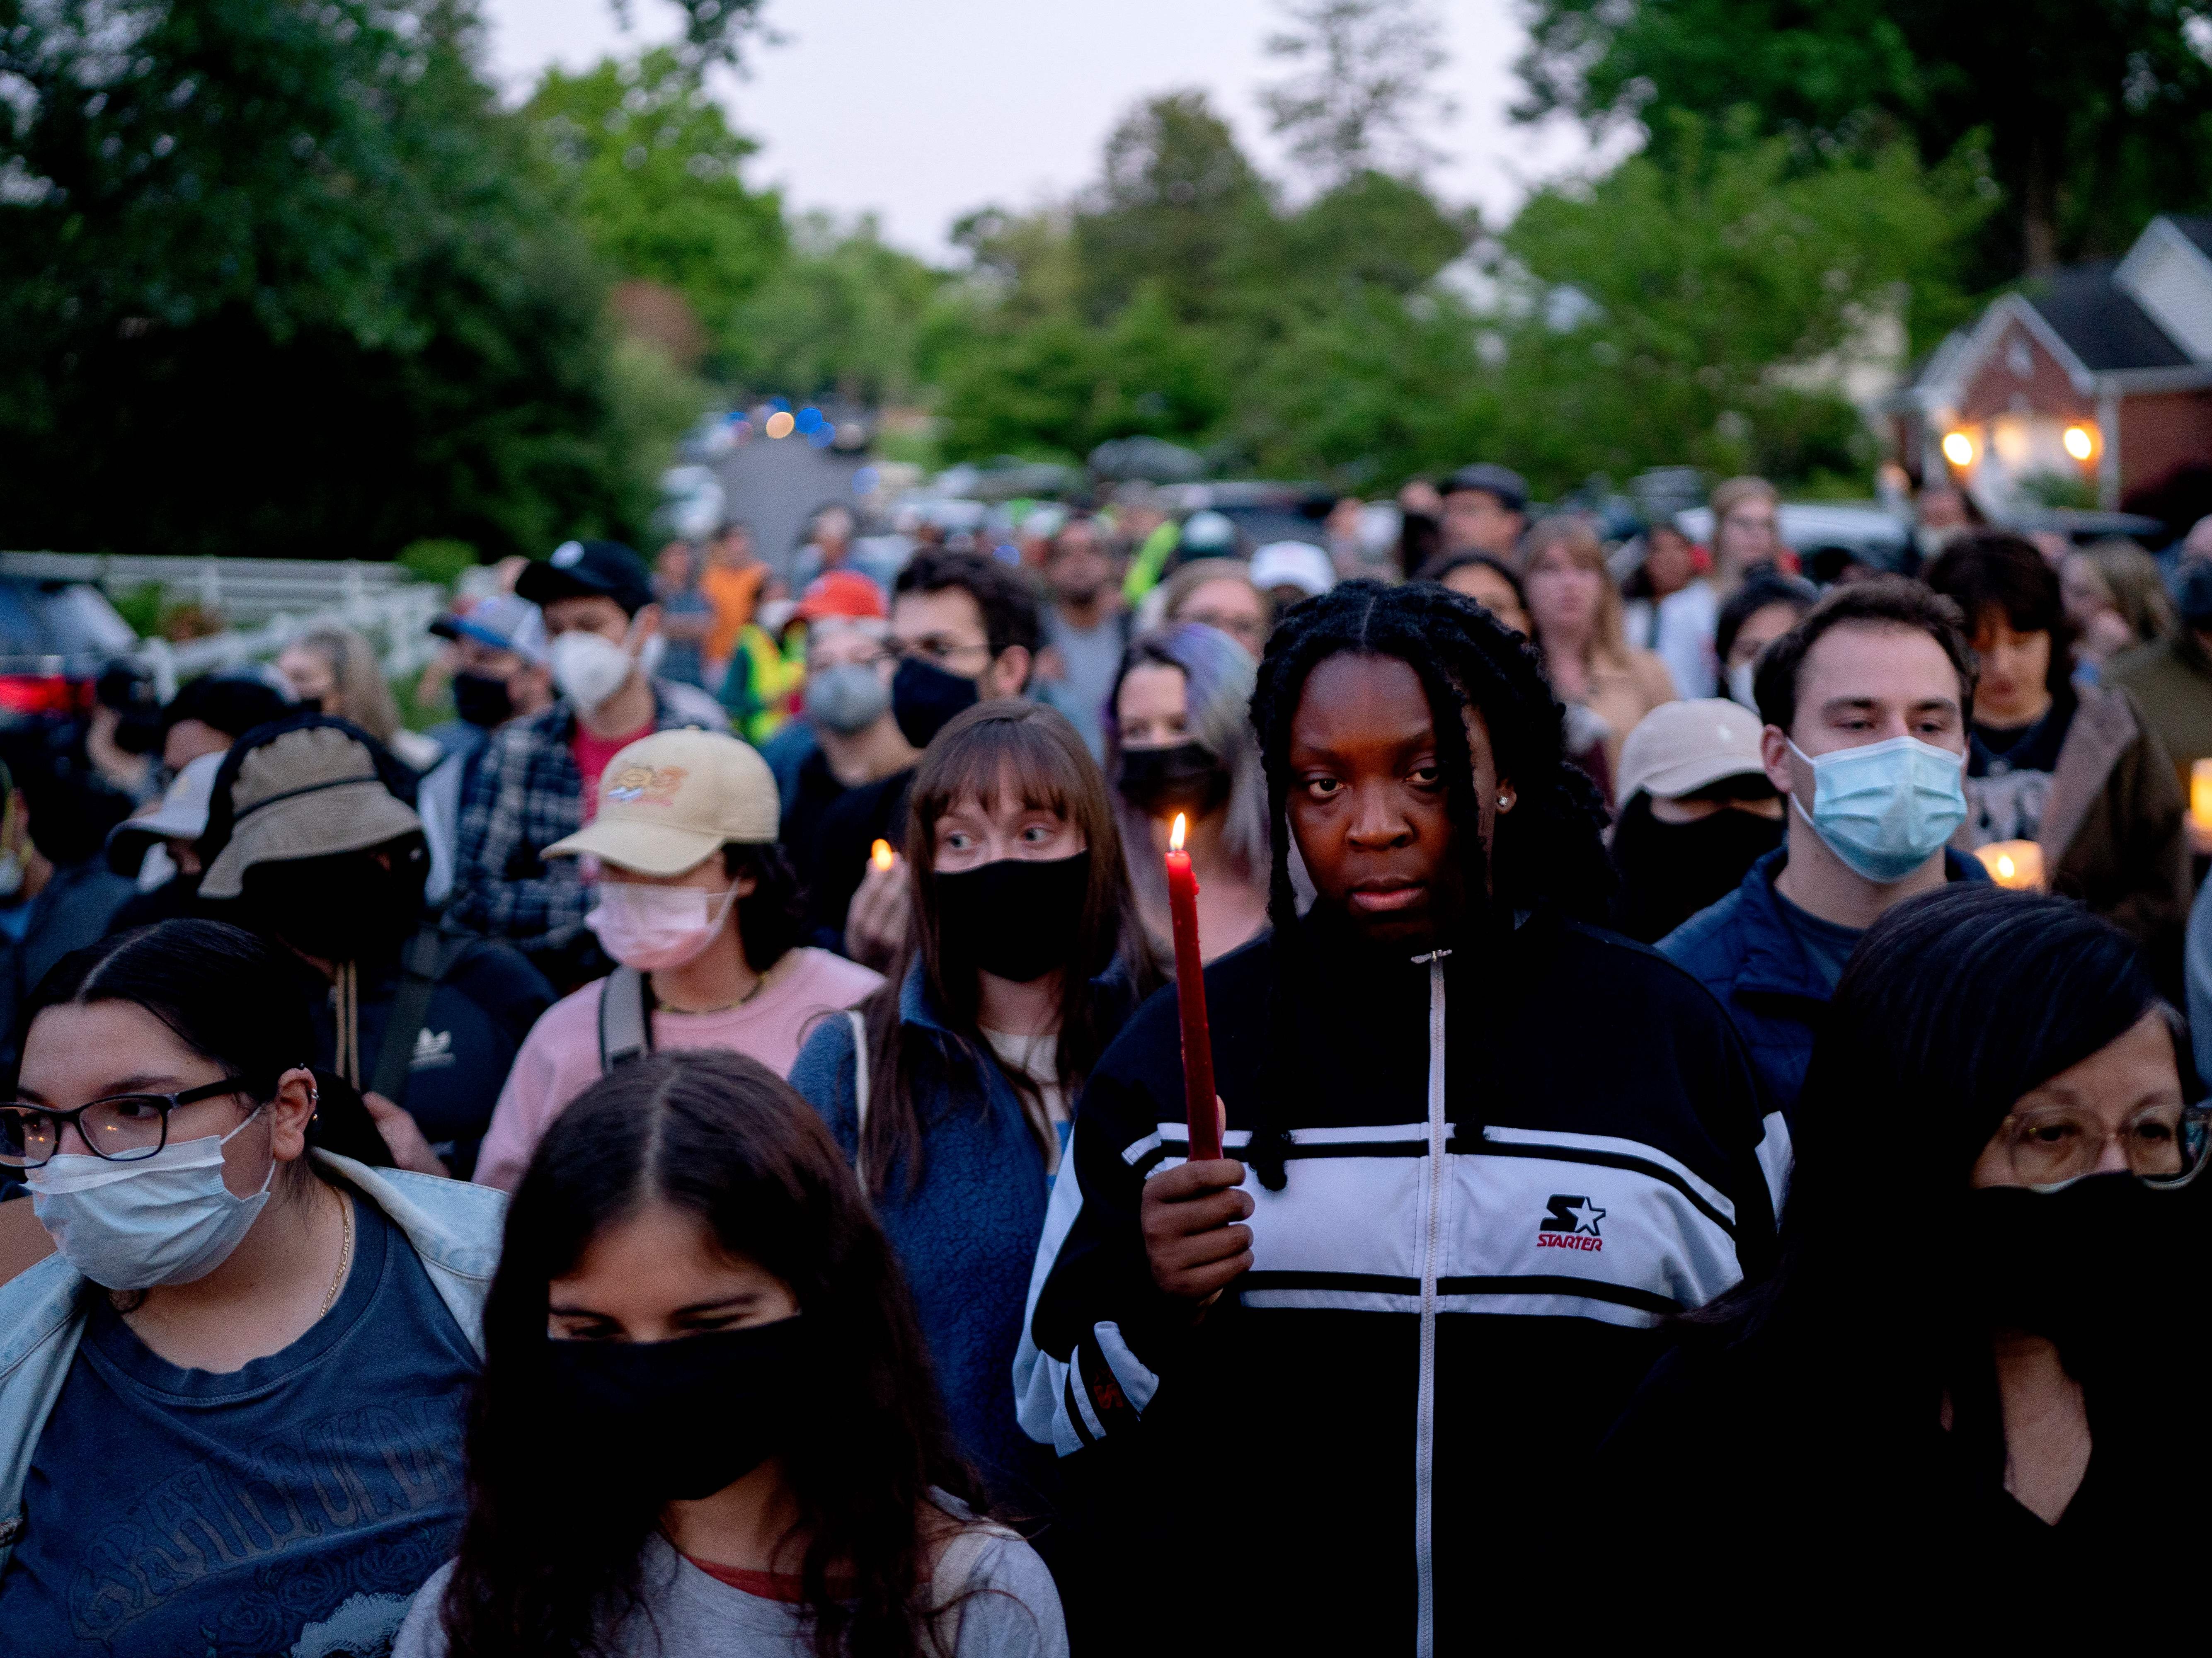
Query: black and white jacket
1506 1164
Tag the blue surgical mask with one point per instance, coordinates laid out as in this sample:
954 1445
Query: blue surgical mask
164 1219
1887 808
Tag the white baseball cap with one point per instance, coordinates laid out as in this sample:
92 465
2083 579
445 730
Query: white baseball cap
669 801
1298 564
1679 748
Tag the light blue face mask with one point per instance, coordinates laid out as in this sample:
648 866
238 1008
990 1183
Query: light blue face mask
164 1219
1887 808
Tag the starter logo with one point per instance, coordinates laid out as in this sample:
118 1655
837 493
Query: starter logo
1572 1224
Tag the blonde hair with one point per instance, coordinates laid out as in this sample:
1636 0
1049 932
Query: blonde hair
1576 536
2132 579
359 676
1729 496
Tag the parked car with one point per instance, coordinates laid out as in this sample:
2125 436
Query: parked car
54 639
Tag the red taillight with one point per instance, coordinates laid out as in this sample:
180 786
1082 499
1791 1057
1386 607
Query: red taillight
42 694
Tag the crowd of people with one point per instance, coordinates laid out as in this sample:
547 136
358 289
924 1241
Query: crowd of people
691 1156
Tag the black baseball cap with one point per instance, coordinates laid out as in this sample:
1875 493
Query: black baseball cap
588 569
1509 486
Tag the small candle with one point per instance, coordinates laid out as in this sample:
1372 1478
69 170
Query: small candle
880 855
1190 996
2014 864
2200 794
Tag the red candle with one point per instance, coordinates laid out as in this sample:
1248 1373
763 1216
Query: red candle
1190 995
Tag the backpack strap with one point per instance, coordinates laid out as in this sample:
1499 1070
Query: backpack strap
430 954
859 1024
625 1017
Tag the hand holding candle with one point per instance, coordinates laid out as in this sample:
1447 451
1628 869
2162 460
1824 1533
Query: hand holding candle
1198 1108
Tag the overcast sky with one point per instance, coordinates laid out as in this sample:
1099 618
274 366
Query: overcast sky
920 110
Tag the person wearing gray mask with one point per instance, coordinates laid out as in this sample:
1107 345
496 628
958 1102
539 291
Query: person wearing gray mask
858 746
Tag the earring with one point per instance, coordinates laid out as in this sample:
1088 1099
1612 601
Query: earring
1505 802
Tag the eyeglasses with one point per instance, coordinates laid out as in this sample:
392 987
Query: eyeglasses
2165 1143
1248 628
123 1129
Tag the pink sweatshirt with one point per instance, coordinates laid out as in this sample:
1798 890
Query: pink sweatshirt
560 1058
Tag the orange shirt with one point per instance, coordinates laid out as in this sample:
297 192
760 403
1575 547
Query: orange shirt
733 594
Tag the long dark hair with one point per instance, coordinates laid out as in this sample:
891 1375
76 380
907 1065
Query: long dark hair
1954 1005
550 1560
1032 749
1993 572
1548 851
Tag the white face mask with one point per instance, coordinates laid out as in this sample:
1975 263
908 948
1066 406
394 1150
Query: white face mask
650 927
590 668
164 1219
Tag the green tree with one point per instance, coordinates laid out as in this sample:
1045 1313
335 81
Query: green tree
1176 199
2091 118
844 314
287 279
652 171
1364 94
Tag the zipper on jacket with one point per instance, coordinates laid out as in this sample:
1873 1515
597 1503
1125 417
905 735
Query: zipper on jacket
1425 1410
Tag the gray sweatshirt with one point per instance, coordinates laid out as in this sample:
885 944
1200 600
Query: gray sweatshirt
1013 1612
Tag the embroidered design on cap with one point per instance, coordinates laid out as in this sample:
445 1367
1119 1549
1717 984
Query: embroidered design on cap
655 786
568 553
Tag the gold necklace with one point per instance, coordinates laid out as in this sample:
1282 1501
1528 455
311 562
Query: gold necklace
345 1253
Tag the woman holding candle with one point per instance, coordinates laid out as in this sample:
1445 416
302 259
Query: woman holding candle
1025 958
1375 1340
1179 740
2071 768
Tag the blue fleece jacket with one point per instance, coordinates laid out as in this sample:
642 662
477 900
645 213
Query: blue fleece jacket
1745 951
967 1236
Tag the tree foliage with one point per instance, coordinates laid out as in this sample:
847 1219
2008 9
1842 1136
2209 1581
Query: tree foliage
1363 97
285 279
2089 118
651 169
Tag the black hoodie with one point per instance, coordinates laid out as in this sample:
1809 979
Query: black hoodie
1604 1164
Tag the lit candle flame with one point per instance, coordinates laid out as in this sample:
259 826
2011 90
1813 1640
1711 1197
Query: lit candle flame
1174 835
2005 868
880 855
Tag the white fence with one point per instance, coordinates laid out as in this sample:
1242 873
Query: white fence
267 602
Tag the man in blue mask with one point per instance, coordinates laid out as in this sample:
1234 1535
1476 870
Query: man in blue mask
1868 701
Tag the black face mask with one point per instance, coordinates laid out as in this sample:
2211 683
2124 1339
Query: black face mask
2089 1265
1016 917
925 697
1669 871
344 908
1160 782
690 1416
483 699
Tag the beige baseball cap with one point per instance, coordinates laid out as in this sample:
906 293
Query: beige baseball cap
668 802
1679 748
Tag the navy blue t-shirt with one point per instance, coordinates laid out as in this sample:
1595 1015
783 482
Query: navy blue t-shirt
291 1507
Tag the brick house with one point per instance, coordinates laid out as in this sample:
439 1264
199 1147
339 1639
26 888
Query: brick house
2100 373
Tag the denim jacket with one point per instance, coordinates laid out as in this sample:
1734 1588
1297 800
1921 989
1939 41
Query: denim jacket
455 1228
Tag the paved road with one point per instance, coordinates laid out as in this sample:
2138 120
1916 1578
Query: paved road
775 485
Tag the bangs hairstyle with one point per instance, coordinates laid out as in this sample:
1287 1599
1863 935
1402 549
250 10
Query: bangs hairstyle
1989 576
721 1138
1006 748
1574 538
1955 1005
1548 851
1217 676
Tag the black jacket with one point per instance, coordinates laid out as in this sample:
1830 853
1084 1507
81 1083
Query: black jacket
1602 1167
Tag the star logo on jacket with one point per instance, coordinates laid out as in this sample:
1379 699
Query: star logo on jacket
1572 1224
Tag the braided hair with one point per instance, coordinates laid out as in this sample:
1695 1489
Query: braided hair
1548 851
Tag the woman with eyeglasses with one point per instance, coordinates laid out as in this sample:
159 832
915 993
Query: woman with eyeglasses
1969 1388
231 1401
